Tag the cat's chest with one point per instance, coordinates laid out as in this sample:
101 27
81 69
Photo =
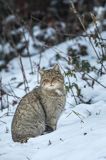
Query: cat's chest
50 100
53 99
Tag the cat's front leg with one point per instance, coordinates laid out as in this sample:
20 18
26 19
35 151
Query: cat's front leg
51 124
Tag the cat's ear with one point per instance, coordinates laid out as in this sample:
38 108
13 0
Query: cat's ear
41 71
56 67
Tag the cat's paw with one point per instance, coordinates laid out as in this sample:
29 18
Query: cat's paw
49 129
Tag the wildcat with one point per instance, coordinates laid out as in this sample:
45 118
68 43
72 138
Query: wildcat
39 110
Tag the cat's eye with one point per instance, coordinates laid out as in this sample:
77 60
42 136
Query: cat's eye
54 79
57 79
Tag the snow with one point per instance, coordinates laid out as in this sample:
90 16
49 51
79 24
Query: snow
81 130
73 139
10 18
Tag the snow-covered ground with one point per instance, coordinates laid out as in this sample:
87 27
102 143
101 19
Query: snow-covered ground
81 130
73 139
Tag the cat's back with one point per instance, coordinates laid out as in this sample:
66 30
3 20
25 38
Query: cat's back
28 99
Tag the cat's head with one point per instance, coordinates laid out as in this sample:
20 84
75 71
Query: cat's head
52 78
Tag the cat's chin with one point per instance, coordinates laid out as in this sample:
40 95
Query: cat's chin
55 90
52 87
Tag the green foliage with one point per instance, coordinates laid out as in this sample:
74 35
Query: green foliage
83 50
73 86
103 58
70 73
58 56
78 90
85 66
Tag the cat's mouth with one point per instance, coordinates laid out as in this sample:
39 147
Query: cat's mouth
51 87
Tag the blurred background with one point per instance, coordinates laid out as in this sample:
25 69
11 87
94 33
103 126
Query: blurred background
28 27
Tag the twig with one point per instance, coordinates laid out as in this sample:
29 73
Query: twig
24 76
80 20
28 158
77 114
14 95
95 80
28 52
71 87
70 104
22 67
1 92
3 122
99 38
